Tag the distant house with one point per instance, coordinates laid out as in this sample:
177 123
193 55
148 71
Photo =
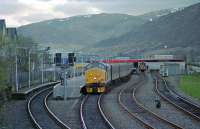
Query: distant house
2 28
11 32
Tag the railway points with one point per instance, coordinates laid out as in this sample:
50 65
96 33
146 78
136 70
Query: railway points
147 95
86 64
115 113
112 81
146 117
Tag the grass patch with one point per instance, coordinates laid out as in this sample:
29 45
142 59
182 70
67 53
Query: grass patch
190 84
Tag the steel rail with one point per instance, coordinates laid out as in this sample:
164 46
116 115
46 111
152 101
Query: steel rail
103 114
52 115
81 112
33 120
49 113
133 115
177 96
154 114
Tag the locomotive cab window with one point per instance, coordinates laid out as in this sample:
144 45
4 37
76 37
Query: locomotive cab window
96 65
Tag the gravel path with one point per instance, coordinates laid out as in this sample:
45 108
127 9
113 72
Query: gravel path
14 116
118 117
67 111
147 97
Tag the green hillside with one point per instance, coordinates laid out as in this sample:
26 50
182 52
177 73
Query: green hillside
178 31
168 31
80 31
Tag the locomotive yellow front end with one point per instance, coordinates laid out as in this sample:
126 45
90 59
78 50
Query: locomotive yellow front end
95 79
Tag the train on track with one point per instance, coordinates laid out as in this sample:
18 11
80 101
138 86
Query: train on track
99 76
142 67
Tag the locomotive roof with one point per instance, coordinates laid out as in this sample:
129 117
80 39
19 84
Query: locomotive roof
95 64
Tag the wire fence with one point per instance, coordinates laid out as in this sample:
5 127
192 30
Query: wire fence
35 78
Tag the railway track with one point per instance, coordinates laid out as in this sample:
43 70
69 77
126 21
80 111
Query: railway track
92 115
119 118
148 119
175 99
39 113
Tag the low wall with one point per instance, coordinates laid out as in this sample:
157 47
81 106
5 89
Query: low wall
71 90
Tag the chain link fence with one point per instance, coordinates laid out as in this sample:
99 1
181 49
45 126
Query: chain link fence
35 78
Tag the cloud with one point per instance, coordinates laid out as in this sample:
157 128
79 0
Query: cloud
74 7
94 10
22 12
9 7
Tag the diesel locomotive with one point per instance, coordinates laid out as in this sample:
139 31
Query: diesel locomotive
99 76
142 67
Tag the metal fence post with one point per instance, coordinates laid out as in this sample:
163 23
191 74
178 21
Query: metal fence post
42 68
16 73
29 68
65 83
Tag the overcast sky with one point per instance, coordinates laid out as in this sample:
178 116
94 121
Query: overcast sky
21 12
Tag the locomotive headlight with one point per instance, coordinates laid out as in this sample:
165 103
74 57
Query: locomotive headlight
95 78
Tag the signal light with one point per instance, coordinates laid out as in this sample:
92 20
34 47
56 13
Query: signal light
71 59
57 59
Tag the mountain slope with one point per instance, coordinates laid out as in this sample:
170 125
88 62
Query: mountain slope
180 29
80 31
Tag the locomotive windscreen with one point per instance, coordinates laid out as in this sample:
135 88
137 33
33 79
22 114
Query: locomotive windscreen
96 65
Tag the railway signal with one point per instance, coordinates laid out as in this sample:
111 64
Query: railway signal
57 59
71 59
